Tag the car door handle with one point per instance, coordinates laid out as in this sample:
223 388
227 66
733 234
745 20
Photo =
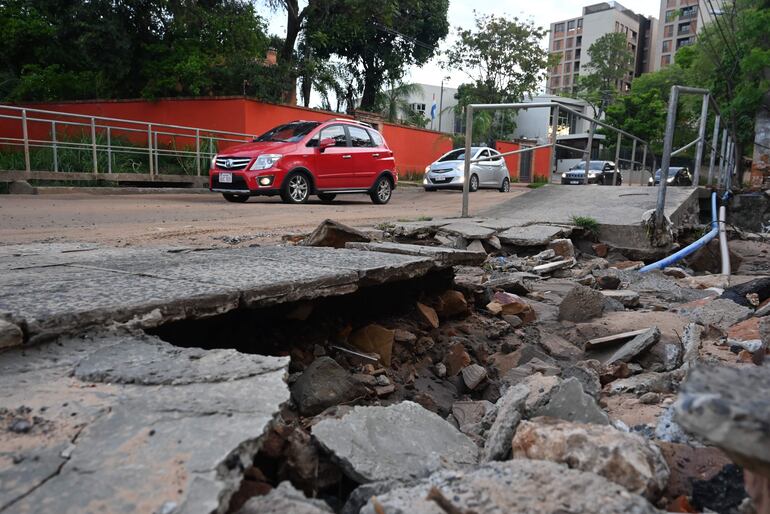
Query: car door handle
375 155
347 156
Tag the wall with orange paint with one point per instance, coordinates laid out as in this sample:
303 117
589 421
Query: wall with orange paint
511 161
541 163
413 148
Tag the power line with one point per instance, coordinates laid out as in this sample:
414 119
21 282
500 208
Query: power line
389 30
721 32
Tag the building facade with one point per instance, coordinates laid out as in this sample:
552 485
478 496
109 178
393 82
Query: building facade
570 40
680 22
445 119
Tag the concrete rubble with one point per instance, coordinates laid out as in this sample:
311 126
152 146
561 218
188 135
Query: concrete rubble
452 366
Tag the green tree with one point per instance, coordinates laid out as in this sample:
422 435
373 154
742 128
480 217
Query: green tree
393 100
602 78
642 114
378 40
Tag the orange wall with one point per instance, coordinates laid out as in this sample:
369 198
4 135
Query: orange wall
511 161
413 148
542 162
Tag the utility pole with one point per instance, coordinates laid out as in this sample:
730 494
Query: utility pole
440 104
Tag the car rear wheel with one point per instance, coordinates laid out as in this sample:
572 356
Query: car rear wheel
473 185
326 197
506 186
382 191
296 189
230 197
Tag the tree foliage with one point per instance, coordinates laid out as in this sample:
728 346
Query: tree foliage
81 49
378 40
609 62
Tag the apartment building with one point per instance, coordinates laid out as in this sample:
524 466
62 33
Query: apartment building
570 40
680 21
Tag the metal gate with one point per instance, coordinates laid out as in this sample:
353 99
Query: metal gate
525 166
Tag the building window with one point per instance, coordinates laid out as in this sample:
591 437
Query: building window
682 42
418 108
666 46
567 80
670 15
567 67
557 44
665 60
569 41
571 25
688 12
559 27
568 55
668 31
578 41
555 81
580 23
577 54
684 28
670 4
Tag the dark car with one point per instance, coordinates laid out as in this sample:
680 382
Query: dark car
302 158
677 176
599 172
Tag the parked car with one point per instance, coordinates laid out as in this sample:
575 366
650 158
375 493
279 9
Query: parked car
304 158
448 172
677 176
599 172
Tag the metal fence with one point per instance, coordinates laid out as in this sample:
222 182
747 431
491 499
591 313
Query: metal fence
146 151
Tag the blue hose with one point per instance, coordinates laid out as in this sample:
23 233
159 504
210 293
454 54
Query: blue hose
687 250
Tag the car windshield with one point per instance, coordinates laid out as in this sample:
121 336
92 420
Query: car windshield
455 155
595 165
671 173
289 133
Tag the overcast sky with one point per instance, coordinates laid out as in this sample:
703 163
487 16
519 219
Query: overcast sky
542 12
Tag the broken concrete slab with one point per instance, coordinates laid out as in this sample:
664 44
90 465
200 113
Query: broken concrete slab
628 298
334 234
627 459
468 230
632 348
419 228
581 304
613 339
569 402
654 283
729 408
498 442
719 312
550 267
66 291
441 255
113 435
283 499
533 235
401 441
519 485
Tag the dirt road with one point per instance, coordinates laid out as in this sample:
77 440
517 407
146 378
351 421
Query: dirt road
204 219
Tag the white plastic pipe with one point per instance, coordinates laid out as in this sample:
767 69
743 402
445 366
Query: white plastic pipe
723 250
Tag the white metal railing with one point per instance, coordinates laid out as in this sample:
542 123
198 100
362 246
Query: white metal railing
106 138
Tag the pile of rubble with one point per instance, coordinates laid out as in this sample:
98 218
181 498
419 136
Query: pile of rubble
551 377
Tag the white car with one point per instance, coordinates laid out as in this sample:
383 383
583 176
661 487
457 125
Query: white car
448 171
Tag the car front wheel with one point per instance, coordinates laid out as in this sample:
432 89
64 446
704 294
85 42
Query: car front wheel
473 185
506 186
296 189
382 191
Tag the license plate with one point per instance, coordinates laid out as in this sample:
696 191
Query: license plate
575 182
225 178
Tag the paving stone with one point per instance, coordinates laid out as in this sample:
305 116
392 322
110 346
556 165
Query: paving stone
113 436
532 235
520 485
399 441
627 459
729 408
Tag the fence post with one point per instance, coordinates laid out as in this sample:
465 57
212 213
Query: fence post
149 146
713 157
109 150
722 156
554 131
93 146
467 162
617 159
157 158
198 151
633 162
665 159
589 148
55 147
644 163
25 135
704 113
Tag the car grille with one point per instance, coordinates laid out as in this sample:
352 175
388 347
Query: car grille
238 184
232 163
441 180
576 176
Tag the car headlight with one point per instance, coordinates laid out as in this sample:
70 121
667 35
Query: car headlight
266 161
563 175
592 174
425 180
427 168
670 179
214 161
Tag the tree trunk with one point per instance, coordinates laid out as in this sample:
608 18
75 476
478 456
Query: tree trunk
307 79
371 86
293 27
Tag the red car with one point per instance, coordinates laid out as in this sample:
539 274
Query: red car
302 158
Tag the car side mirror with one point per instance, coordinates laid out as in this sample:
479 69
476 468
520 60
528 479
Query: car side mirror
326 143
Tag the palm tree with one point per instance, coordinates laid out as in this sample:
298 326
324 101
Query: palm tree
394 100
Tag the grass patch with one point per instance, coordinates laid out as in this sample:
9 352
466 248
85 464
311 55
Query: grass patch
412 176
586 223
537 182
